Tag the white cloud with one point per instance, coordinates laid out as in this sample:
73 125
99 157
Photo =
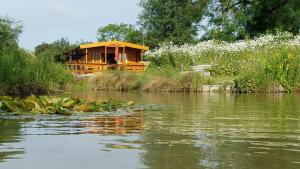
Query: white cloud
58 8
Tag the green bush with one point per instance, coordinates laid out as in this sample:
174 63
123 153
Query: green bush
21 73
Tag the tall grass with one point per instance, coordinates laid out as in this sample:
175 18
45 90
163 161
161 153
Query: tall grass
277 70
21 73
154 79
266 64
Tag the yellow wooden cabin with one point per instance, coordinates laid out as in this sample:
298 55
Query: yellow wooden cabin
103 56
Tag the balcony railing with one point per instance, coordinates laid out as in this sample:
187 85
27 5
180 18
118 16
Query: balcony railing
92 67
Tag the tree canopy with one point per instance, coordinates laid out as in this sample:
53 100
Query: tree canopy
171 20
121 32
9 32
238 19
54 50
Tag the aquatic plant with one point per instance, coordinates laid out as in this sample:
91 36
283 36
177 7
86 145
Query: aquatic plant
57 105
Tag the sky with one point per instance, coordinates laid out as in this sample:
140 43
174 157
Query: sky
49 20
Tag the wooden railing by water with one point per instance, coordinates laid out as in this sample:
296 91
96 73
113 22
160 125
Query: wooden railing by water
81 68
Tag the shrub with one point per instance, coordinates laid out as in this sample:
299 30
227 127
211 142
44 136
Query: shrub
21 73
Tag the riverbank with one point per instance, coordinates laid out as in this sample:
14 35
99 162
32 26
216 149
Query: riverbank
266 64
153 80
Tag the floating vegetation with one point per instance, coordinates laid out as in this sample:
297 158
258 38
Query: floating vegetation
121 146
57 105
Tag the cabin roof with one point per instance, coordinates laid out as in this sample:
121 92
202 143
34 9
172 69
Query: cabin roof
114 44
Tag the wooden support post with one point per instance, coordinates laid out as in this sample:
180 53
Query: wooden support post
93 56
142 55
76 68
105 54
86 55
123 55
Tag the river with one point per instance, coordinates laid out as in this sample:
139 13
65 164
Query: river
194 131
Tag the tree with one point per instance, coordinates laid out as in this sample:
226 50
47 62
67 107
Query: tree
238 19
121 32
171 20
54 50
9 32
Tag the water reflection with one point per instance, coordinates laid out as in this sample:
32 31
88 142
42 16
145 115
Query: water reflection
9 136
114 125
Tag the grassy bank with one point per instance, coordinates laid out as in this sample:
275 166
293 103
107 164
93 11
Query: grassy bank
22 73
154 79
265 64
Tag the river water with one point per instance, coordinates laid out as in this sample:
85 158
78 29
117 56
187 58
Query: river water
195 131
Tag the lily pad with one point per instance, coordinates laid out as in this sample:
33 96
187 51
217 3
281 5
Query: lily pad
57 105
68 104
120 146
9 106
6 98
31 105
130 103
84 108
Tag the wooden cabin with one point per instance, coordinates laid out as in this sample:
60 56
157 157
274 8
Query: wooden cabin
103 56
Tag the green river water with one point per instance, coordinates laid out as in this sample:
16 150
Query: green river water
196 131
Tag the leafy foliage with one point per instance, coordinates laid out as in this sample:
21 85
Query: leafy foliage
22 73
121 32
55 50
171 20
9 32
232 20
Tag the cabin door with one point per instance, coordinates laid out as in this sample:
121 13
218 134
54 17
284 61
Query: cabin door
111 59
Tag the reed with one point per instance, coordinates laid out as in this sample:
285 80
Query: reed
22 73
